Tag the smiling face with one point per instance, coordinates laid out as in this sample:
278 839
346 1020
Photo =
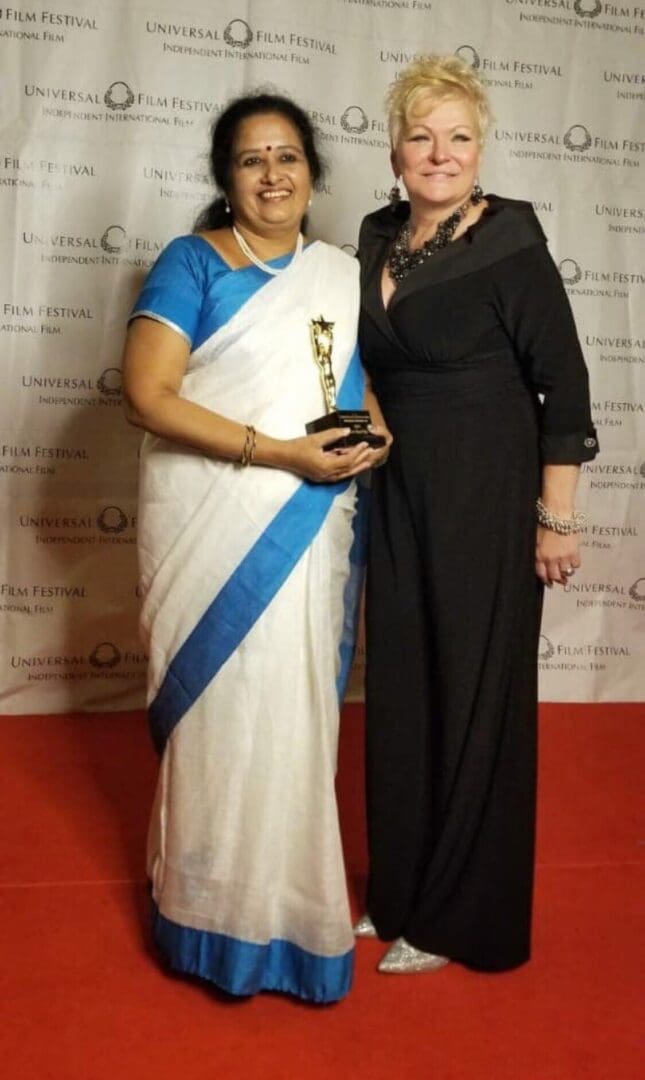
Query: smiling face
437 154
270 179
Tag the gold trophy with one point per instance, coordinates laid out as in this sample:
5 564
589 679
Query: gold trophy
358 421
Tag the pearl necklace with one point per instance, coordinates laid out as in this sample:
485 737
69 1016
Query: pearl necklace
252 257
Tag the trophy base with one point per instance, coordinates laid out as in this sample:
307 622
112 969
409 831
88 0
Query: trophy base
357 421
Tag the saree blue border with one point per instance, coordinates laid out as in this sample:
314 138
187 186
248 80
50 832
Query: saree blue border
249 590
243 968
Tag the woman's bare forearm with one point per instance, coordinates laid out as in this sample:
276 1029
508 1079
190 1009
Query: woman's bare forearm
171 417
559 484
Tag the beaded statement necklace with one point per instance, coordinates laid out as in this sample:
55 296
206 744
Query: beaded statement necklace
401 261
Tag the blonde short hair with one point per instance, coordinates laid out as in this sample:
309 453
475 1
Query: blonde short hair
435 78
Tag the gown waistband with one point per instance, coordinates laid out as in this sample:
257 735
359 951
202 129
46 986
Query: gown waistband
486 377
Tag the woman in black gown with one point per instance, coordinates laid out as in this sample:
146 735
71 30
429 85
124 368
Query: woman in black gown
469 340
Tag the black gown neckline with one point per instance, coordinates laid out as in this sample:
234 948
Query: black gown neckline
483 242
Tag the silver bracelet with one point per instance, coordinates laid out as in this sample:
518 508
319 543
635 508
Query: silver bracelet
563 526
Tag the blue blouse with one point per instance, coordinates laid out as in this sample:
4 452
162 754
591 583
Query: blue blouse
194 291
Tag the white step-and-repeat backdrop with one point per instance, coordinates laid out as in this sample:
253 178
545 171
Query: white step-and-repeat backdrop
105 112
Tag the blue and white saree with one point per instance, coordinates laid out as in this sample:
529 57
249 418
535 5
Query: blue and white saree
248 615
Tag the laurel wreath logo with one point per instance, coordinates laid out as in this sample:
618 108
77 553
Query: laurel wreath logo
109 382
119 97
357 127
112 520
570 271
587 12
579 142
469 55
105 655
546 650
232 36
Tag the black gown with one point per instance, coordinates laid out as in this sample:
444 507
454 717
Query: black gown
478 369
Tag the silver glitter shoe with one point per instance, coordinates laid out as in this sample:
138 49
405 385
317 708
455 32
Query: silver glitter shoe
365 927
403 959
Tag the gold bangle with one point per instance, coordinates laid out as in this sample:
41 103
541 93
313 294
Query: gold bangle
248 450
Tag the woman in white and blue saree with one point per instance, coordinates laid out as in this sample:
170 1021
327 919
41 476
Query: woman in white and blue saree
250 579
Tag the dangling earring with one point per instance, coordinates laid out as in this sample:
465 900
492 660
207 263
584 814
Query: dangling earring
477 194
227 206
395 195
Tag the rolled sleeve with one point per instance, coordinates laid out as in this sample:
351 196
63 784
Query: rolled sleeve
537 317
569 449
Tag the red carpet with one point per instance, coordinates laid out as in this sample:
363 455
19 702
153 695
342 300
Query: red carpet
82 997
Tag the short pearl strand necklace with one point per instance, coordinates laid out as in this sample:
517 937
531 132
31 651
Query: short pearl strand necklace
252 257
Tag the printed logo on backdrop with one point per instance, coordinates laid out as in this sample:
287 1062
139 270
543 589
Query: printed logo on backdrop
38 599
587 8
595 15
614 476
576 655
545 649
608 536
105 661
470 55
112 520
110 526
608 282
238 40
119 103
193 185
637 590
630 85
570 271
52 27
577 138
25 460
39 319
238 33
622 219
509 72
616 349
354 119
80 391
499 72
109 382
612 413
24 172
607 593
351 125
396 5
576 144
114 239
83 391
119 96
115 246
105 655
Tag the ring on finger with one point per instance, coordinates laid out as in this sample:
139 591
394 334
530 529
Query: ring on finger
568 570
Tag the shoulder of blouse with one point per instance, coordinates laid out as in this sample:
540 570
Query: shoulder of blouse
383 223
515 216
196 250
